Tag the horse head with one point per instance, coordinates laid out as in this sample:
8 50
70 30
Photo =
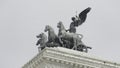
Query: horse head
60 25
40 35
47 27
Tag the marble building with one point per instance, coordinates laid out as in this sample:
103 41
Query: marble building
59 57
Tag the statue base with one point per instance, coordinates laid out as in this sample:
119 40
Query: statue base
59 57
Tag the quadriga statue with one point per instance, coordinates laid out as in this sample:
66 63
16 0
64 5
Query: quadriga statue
65 38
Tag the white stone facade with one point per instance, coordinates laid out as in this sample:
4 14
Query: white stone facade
66 58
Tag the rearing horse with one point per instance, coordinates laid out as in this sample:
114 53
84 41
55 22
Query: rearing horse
42 41
71 36
67 36
52 37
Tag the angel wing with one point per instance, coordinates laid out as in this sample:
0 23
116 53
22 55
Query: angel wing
83 16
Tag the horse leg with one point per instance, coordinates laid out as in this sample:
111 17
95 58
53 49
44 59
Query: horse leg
75 45
61 41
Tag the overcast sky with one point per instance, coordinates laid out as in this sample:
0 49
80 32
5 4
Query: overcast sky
22 20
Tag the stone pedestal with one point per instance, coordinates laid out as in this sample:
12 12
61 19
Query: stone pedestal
59 57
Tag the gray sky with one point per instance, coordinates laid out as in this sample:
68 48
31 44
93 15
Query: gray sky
22 20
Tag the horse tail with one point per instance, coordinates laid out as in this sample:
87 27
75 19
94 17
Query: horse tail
81 36
89 47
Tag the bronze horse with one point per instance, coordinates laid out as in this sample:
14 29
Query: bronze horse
77 44
42 41
53 40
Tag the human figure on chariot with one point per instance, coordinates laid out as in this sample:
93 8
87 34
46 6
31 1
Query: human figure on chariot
78 20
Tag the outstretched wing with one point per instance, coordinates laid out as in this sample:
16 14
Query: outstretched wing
83 15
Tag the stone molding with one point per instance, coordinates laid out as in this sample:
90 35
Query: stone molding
50 57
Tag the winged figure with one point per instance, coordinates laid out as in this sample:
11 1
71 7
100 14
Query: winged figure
78 20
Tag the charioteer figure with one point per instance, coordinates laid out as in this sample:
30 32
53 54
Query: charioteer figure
78 20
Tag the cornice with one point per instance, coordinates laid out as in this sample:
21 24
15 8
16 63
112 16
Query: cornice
70 57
